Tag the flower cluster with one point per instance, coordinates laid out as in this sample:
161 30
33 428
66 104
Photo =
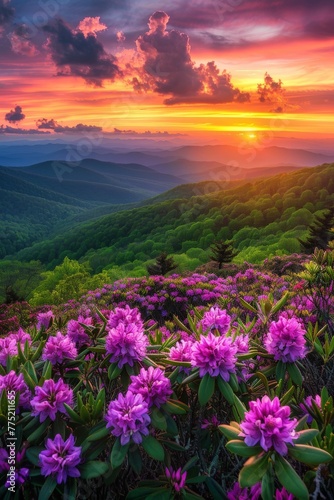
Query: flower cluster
60 458
152 385
50 398
16 383
58 348
267 423
177 478
76 332
128 418
215 356
217 319
126 344
286 340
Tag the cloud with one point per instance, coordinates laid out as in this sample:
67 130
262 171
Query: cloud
169 70
52 124
120 36
6 12
147 133
272 92
16 115
91 26
13 130
20 42
77 54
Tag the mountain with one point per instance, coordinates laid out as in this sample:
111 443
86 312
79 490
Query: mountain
264 217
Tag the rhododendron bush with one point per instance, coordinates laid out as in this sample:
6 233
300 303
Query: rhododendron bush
180 387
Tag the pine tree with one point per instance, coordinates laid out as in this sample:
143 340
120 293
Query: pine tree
223 252
163 265
320 232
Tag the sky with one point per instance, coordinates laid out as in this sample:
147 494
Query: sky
223 70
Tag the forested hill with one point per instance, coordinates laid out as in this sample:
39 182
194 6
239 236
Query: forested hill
263 217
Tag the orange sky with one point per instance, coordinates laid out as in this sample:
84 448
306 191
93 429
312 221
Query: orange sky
157 77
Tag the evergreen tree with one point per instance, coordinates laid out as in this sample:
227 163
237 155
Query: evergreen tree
320 232
163 265
223 252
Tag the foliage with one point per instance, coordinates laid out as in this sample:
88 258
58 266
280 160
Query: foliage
162 266
222 252
320 232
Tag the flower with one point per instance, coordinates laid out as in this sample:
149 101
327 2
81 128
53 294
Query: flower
215 356
216 318
181 352
177 478
286 340
126 316
60 458
238 493
16 383
267 423
152 385
126 343
307 405
283 495
44 320
242 343
20 336
50 398
58 348
8 347
21 475
76 332
210 423
128 416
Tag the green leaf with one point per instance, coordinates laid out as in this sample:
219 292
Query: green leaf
135 460
175 407
38 432
118 453
309 454
240 407
158 420
206 389
229 431
247 306
253 470
268 486
92 469
48 488
281 303
295 374
153 448
306 436
234 382
70 489
280 370
100 434
72 414
240 448
114 371
140 493
172 445
161 493
226 390
289 478
215 489
33 454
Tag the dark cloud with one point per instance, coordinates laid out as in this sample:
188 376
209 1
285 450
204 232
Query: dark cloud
6 12
147 133
21 131
272 92
20 42
16 115
169 70
80 55
320 29
52 124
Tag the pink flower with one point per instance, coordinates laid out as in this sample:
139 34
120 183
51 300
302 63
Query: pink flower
215 356
76 332
216 318
126 316
12 382
44 320
60 458
267 423
181 352
8 347
50 398
238 493
152 385
59 348
177 478
286 340
126 343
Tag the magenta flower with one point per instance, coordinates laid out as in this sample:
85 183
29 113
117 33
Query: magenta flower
21 474
20 336
50 398
283 495
306 406
60 458
15 383
238 493
152 385
181 352
76 332
216 318
215 356
8 347
128 417
242 343
267 423
58 348
177 478
126 316
44 320
126 343
286 340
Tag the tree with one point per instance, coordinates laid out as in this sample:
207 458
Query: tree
163 265
223 252
320 232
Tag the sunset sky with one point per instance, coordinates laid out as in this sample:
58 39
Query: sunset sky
210 68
